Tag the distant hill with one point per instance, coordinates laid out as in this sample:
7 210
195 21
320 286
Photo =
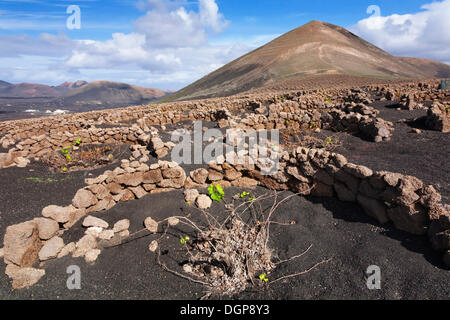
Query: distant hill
4 84
28 90
111 93
316 48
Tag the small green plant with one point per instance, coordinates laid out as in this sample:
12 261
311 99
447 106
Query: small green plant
263 277
67 152
244 194
184 240
328 99
64 169
216 192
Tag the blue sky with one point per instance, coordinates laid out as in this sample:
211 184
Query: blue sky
168 44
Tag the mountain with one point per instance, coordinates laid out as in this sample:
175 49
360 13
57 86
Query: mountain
435 69
111 93
67 87
316 48
28 90
4 84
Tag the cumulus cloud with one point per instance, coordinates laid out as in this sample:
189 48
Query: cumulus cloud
423 34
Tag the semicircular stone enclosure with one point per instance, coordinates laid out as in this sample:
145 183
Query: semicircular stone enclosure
305 169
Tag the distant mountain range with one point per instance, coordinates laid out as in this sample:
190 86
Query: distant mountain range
82 92
316 48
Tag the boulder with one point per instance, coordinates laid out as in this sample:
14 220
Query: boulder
373 208
199 176
47 228
84 199
203 202
85 244
412 219
191 195
22 244
121 225
151 225
59 214
68 249
92 255
51 248
26 277
91 221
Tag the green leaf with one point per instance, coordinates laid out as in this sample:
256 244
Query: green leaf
220 190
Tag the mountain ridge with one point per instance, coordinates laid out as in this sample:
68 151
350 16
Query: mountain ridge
316 48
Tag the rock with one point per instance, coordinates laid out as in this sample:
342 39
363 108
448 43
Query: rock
84 199
99 190
22 244
412 219
106 235
153 246
2 253
214 175
151 225
349 180
125 195
51 248
245 182
85 244
152 176
114 188
121 225
47 228
343 193
139 192
203 202
124 234
191 195
199 176
322 190
91 221
59 214
68 249
373 208
94 231
130 180
173 221
232 174
26 277
92 255
360 172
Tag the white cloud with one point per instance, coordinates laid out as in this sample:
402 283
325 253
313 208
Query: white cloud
424 34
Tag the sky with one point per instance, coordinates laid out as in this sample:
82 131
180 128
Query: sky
168 44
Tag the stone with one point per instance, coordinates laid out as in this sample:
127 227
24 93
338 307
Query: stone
214 175
322 190
94 231
173 221
349 180
22 244
91 221
232 174
85 244
125 195
339 160
191 195
84 199
99 190
68 249
106 234
124 234
373 208
130 180
152 176
59 214
412 219
343 193
153 246
139 192
203 202
199 176
51 248
47 228
324 177
92 255
360 172
245 182
114 188
121 225
2 253
98 180
151 225
26 277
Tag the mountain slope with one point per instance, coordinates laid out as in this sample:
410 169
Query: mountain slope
316 48
111 93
